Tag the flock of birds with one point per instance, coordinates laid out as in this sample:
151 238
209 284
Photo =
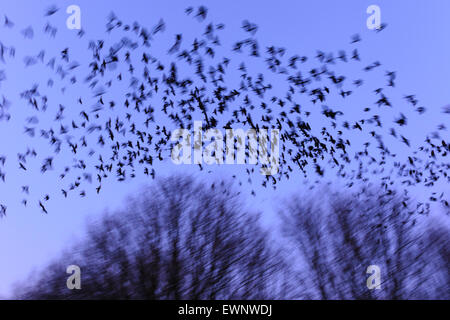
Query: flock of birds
124 128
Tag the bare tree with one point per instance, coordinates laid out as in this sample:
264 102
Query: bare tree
341 235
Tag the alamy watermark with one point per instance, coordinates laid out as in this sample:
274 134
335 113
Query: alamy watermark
256 148
74 20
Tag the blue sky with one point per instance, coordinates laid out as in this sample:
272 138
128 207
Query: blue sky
415 45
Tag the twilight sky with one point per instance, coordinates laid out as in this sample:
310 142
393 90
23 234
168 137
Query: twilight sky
415 45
